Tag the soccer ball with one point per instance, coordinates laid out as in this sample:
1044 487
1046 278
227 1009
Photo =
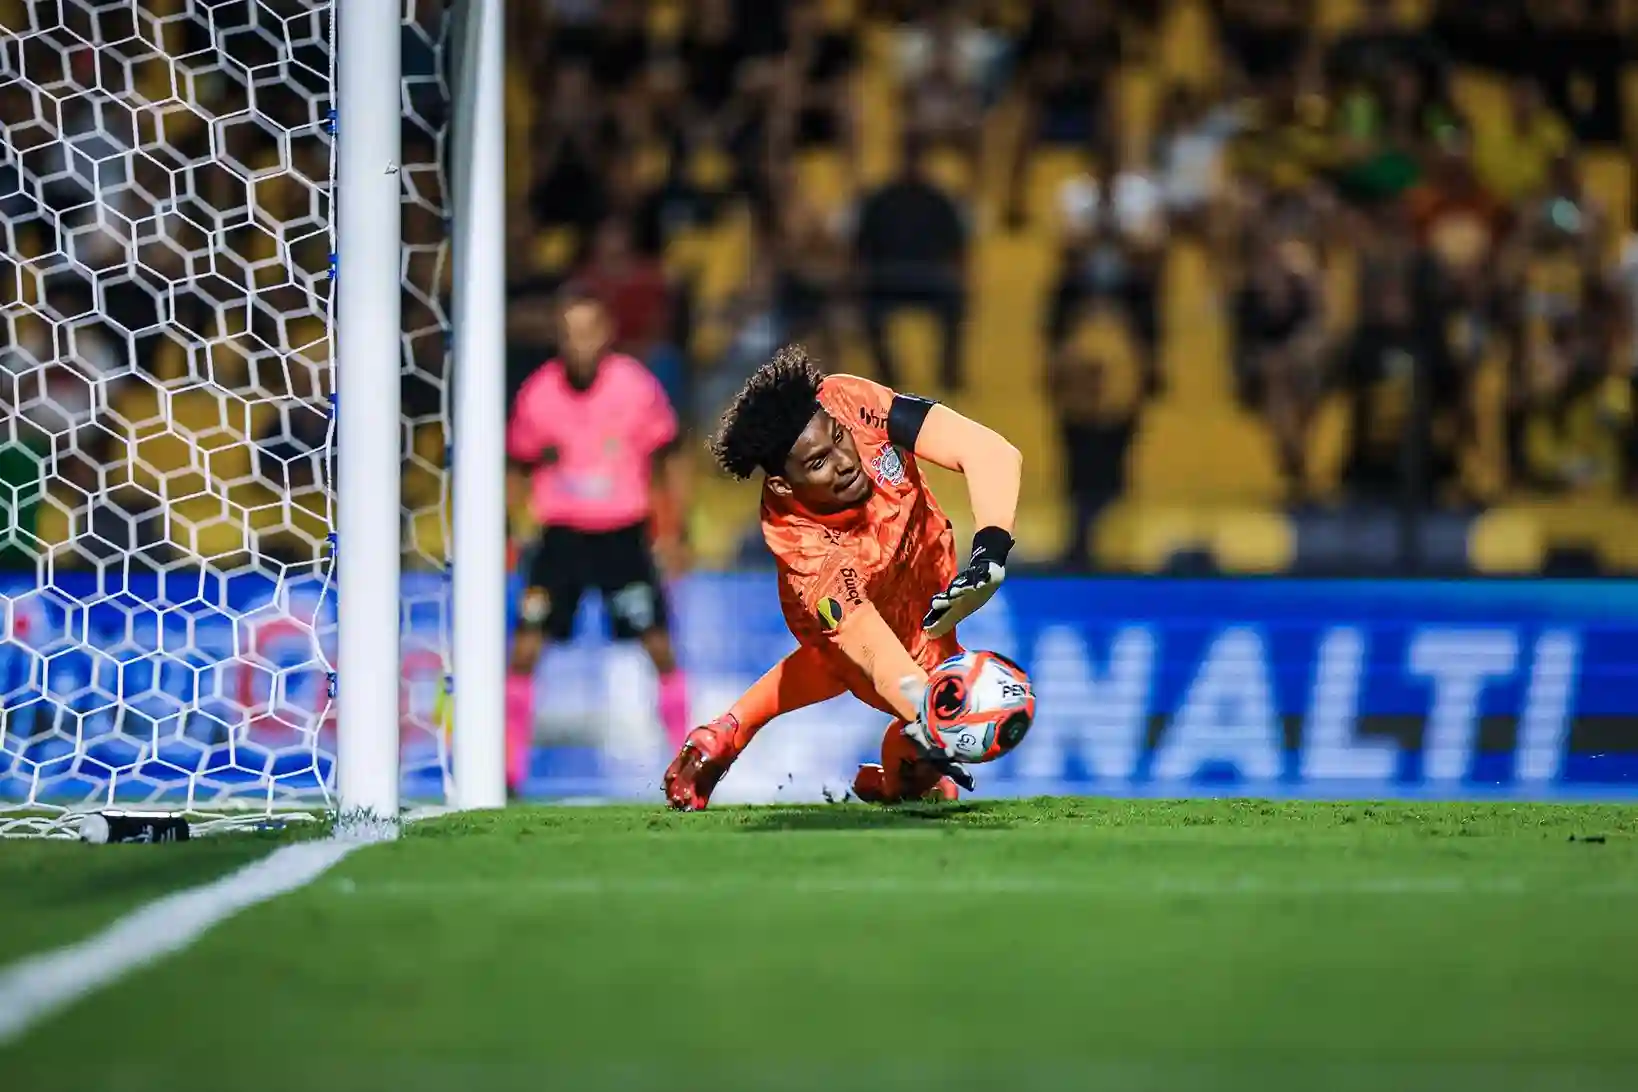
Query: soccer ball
978 706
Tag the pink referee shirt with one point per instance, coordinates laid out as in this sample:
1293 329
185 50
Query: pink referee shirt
595 448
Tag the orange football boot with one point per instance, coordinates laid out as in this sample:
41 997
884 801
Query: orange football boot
705 756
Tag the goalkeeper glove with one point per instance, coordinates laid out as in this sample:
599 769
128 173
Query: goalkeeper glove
915 692
974 585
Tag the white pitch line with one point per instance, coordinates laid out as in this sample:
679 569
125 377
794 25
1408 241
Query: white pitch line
39 985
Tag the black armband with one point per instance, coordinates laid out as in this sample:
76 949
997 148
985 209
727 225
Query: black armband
905 418
991 544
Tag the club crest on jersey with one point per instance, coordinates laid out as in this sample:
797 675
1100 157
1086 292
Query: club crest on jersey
830 613
887 467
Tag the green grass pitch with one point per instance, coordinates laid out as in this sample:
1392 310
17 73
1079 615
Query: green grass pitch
1036 945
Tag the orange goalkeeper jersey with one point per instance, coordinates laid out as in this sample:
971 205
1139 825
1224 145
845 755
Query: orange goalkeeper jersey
895 551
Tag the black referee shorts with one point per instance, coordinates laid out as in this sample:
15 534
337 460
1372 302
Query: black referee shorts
619 564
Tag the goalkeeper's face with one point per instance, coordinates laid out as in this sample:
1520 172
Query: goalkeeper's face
823 471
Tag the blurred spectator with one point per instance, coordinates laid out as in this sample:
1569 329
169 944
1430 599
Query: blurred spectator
809 270
951 39
1192 138
619 53
1564 217
651 207
911 248
1459 221
1577 47
816 84
1263 38
755 329
1329 178
1513 158
714 80
1623 278
1388 123
943 91
762 28
632 287
1572 436
1286 147
1400 378
1096 433
1379 44
1279 318
572 25
573 140
1494 35
1067 63
1113 245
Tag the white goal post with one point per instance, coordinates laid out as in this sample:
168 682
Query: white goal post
243 443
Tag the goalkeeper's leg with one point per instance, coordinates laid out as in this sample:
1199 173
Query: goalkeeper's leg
799 680
903 773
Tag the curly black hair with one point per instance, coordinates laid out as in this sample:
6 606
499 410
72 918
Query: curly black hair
762 423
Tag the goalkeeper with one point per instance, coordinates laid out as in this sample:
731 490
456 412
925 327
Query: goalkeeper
868 577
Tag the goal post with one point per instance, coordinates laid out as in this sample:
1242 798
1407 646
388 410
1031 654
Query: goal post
366 287
478 465
226 501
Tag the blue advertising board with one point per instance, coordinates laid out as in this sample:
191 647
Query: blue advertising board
1522 689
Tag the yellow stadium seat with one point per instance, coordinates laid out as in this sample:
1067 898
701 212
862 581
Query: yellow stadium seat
952 171
1048 170
1329 435
1181 456
1188 51
554 249
823 178
1253 541
1608 177
1506 541
1160 533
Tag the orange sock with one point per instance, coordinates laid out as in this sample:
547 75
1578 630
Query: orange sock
796 682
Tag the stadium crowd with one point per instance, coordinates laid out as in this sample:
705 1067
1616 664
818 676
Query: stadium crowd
1255 284
1426 302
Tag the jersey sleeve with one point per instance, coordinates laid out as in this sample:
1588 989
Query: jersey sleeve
851 625
656 426
878 411
832 589
526 437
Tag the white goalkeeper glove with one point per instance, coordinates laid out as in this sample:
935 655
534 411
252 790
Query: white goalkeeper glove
915 692
973 585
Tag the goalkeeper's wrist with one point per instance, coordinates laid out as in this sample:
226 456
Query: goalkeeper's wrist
992 543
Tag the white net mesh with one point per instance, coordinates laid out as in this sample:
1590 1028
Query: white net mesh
165 552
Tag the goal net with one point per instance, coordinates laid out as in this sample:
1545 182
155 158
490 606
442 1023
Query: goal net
167 282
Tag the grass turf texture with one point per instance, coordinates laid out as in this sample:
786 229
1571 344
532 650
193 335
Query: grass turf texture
1056 944
57 892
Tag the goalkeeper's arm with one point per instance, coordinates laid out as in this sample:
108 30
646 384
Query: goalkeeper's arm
993 469
865 638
